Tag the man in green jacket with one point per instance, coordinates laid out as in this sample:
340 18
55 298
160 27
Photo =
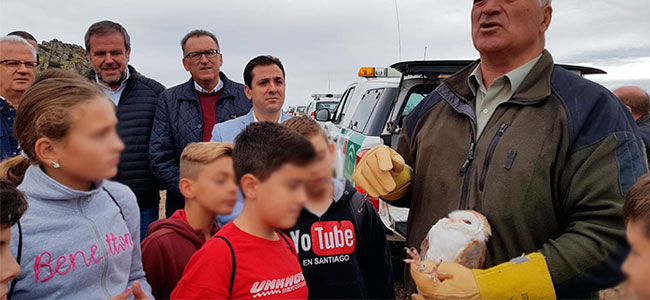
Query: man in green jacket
544 154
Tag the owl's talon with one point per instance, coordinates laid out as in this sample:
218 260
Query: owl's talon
414 256
421 267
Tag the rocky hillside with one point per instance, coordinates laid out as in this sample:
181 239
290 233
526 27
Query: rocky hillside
57 54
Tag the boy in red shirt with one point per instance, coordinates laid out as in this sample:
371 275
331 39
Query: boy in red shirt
209 187
249 257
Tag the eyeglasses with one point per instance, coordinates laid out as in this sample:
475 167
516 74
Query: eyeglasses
197 54
15 64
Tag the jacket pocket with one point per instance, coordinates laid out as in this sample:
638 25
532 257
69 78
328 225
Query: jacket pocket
510 160
491 150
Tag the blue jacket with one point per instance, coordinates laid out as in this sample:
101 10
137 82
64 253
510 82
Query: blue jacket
227 132
135 114
644 132
178 122
77 244
8 144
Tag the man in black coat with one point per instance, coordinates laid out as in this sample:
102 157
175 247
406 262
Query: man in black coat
187 112
108 47
638 101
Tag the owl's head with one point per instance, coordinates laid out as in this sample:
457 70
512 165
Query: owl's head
471 223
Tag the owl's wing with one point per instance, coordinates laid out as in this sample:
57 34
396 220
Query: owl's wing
473 256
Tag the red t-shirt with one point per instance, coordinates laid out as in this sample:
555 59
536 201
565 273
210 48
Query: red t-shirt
264 269
208 112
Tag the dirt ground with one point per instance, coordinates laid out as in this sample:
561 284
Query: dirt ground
623 291
620 292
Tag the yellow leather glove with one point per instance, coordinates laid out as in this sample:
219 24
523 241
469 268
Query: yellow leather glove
525 277
382 172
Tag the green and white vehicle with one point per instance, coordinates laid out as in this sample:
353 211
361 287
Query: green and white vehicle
372 111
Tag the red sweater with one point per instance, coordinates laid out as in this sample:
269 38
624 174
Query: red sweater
208 112
169 245
264 269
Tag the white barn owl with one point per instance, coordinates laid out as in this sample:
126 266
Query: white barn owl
460 238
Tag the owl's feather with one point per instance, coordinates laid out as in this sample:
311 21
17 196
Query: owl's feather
473 256
460 238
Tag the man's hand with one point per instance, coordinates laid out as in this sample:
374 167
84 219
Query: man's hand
138 293
525 277
457 283
377 170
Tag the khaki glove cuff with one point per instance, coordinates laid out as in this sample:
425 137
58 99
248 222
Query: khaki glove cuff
525 277
402 183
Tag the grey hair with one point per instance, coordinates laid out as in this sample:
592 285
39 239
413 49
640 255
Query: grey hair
107 27
13 39
198 32
544 2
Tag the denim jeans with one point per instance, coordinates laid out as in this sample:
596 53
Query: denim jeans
147 216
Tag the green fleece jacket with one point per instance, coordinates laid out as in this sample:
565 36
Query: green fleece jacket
549 172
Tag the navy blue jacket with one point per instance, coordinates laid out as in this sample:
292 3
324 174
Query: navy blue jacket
8 144
179 122
135 114
644 132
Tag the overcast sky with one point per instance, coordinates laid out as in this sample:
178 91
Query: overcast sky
322 43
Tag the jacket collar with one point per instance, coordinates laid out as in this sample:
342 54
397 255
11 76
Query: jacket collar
39 185
230 89
4 104
341 193
180 214
535 87
133 74
250 117
643 120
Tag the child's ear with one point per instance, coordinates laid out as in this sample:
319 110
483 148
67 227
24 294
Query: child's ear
249 185
46 151
186 186
332 148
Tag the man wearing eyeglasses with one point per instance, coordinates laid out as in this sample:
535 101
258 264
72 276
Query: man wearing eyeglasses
108 47
17 68
187 112
29 38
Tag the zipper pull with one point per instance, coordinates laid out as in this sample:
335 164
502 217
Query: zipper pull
468 161
502 129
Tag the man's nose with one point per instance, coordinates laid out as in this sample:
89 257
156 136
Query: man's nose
204 59
273 89
109 59
22 69
491 7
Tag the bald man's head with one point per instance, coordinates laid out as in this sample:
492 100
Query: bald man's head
635 99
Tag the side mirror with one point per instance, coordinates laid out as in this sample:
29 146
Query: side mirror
322 115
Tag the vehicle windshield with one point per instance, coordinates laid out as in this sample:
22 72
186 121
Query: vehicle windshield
415 96
330 105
